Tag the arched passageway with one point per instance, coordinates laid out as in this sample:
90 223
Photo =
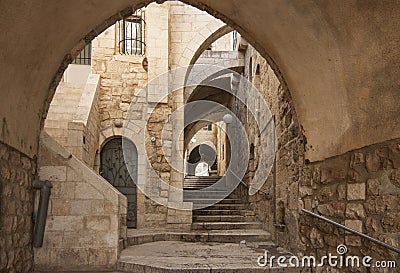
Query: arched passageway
199 154
318 45
340 63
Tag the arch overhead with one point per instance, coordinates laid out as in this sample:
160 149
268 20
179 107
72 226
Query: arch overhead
340 62
201 153
225 29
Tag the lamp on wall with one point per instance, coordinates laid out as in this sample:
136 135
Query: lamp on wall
227 118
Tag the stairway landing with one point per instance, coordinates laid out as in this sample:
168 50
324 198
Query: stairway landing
177 257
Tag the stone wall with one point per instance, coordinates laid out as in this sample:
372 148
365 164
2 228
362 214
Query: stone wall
86 217
204 136
17 173
359 189
189 28
276 205
225 43
84 129
121 80
123 83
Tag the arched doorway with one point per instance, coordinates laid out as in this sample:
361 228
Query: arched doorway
202 153
113 167
202 169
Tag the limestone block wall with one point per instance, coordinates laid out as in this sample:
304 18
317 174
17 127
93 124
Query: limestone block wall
189 27
225 43
86 217
204 136
158 49
83 131
123 81
277 205
17 172
359 189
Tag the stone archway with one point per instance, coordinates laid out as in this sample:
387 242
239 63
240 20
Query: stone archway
201 153
334 58
308 46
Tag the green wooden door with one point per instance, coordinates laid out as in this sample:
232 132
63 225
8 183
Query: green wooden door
114 170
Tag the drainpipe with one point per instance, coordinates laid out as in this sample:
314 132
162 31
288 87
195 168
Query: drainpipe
40 221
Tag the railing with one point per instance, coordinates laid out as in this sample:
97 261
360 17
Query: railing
390 247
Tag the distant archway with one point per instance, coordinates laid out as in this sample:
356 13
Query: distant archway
202 153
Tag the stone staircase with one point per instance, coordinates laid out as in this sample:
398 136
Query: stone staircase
230 213
226 230
62 110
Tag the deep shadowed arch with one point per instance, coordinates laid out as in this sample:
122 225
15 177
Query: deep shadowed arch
202 153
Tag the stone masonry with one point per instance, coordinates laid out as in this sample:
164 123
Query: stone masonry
17 172
86 218
359 189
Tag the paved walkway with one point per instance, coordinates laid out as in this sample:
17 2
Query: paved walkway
176 256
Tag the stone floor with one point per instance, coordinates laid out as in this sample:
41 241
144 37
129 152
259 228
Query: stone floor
177 256
150 253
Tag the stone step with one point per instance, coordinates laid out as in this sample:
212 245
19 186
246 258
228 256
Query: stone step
220 206
211 206
221 212
196 186
202 177
137 237
202 198
214 200
218 218
226 225
209 194
208 182
202 180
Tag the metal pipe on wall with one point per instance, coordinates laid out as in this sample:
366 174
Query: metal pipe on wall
40 219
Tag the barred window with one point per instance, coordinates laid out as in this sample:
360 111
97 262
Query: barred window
208 127
131 34
85 56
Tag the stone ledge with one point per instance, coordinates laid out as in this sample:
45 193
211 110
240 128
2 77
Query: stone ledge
138 237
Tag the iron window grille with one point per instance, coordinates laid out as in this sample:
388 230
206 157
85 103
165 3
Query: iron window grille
85 56
131 32
208 127
234 40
